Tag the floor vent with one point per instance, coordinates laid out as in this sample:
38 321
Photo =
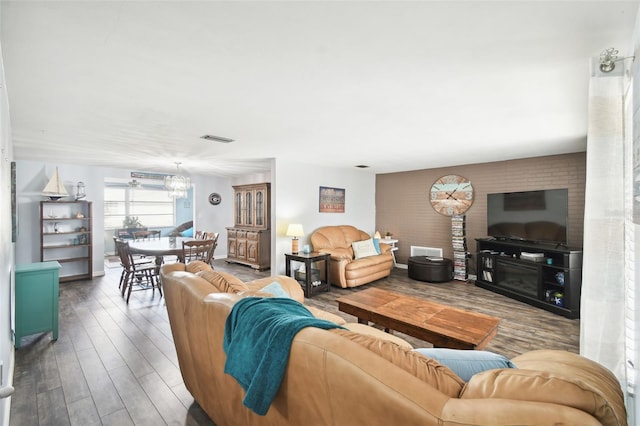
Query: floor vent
426 251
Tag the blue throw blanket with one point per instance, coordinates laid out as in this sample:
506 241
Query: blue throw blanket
257 338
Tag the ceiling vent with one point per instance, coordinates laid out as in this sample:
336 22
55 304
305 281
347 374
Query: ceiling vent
216 138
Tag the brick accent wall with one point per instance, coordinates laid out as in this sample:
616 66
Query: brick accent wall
403 207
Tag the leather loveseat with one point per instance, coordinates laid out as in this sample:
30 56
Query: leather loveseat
344 269
345 377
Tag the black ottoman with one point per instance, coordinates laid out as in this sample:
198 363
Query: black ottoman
434 270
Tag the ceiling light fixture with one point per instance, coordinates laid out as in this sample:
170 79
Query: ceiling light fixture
216 138
608 59
177 185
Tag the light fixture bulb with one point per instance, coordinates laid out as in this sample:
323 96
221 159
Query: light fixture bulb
177 186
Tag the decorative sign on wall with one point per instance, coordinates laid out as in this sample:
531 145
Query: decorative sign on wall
145 175
331 200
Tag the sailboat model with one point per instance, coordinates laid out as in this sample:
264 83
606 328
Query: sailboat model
55 189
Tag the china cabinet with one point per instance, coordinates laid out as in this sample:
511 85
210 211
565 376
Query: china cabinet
66 237
249 240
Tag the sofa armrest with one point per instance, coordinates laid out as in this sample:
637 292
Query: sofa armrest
339 254
385 248
170 267
557 377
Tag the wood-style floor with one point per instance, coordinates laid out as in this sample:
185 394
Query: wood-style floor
115 364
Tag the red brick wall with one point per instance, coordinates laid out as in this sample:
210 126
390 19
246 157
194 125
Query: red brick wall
403 207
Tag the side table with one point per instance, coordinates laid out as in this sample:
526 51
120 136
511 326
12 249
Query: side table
392 242
37 288
309 258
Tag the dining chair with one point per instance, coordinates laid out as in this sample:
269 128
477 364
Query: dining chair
213 236
198 250
138 261
143 275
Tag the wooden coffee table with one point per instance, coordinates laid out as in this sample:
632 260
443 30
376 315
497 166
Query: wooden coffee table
443 326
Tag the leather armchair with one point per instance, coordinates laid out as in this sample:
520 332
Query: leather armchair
344 269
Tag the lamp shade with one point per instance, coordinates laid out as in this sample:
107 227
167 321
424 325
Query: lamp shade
295 230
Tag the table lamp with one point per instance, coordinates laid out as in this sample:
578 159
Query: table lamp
294 230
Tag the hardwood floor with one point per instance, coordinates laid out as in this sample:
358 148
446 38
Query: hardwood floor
115 364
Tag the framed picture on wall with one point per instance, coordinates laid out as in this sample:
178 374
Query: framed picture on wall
331 200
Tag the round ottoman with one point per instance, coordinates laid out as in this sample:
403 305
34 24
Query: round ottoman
423 268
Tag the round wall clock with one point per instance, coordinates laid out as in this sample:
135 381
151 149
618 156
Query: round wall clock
215 198
451 195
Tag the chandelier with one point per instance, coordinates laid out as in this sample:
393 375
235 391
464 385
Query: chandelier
177 185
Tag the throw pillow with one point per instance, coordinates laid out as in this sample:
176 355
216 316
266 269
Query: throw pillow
363 249
425 369
276 290
376 244
466 363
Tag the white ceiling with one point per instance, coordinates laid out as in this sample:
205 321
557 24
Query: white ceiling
394 85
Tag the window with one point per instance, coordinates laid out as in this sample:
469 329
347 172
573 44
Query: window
152 207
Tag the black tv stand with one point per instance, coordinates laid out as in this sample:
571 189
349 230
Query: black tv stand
552 281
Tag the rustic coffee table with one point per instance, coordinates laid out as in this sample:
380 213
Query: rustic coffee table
443 326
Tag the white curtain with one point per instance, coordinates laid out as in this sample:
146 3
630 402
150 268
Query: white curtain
602 313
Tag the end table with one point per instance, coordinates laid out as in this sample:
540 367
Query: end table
309 258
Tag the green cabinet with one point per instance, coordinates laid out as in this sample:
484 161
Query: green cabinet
37 287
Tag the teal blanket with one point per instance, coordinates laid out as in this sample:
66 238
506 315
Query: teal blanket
257 338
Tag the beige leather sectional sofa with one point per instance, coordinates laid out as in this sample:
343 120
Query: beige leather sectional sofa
354 377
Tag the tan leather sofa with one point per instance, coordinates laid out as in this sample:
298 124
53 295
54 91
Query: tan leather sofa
344 269
341 377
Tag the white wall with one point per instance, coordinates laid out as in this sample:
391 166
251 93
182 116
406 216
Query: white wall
32 176
295 199
7 249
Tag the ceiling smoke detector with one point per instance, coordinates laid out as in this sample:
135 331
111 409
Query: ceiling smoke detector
216 138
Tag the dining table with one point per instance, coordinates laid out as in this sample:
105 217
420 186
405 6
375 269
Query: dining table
159 247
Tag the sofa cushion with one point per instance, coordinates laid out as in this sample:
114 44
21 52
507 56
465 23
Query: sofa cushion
364 249
225 283
197 266
466 363
357 327
276 290
320 314
425 369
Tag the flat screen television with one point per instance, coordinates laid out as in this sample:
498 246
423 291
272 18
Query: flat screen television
539 216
